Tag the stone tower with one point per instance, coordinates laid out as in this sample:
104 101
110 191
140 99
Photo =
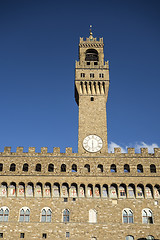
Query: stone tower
91 92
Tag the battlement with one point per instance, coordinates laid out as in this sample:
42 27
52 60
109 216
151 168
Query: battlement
100 40
68 151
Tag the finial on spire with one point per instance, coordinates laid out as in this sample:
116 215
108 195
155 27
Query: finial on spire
91 34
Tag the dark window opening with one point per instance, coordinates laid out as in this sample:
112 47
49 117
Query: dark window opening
82 74
13 167
1 167
91 55
100 166
25 167
95 63
74 199
21 235
38 167
74 168
139 168
1 235
92 75
126 168
67 234
152 168
92 99
88 63
63 168
50 167
44 235
65 199
113 168
87 166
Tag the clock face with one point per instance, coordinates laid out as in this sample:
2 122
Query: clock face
92 143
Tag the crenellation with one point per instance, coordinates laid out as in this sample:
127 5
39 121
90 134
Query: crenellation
144 151
31 150
44 150
157 152
56 150
19 150
68 150
131 151
7 150
117 150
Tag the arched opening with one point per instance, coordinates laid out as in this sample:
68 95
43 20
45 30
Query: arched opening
87 167
100 167
74 168
12 167
66 215
152 168
25 167
91 55
1 167
113 168
139 168
50 167
38 167
126 168
63 168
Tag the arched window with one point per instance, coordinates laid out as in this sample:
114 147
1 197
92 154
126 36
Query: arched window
66 215
122 191
127 215
113 168
152 168
3 189
90 190
38 190
139 168
12 167
50 167
157 191
113 191
25 167
92 216
97 191
21 189
100 167
149 237
149 191
56 190
4 214
126 168
87 167
46 215
91 55
147 216
129 237
63 168
1 167
29 190
131 191
24 214
73 190
38 167
74 168
140 191
47 190
12 189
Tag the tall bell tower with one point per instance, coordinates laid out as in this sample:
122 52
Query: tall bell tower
91 92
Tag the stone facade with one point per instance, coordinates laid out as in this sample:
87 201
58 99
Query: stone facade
85 195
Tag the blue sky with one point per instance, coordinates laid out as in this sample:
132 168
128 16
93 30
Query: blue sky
38 48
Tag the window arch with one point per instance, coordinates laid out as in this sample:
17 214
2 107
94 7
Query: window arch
66 215
3 189
74 168
149 191
87 167
38 167
113 168
24 214
129 237
113 191
147 216
100 167
63 168
50 167
131 190
139 168
91 55
157 191
12 189
25 167
4 214
64 190
126 168
1 167
149 237
122 191
12 167
140 191
127 215
46 214
92 216
152 168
